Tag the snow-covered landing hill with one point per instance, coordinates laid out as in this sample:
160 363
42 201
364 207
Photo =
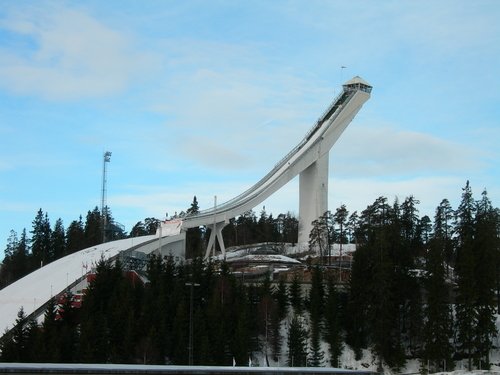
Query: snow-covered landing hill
36 288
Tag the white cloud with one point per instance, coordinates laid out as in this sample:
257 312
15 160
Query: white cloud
388 151
65 53
236 111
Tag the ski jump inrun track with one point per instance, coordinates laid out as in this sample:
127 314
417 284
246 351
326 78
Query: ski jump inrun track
309 160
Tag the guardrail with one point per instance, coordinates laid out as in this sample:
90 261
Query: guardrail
120 369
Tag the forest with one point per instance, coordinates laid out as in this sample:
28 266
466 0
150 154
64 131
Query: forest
419 288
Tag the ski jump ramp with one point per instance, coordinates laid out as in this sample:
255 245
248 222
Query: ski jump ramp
34 290
309 160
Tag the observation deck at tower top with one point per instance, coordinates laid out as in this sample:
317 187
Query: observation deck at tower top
357 83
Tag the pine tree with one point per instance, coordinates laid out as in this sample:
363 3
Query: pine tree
316 310
16 262
340 218
296 299
194 240
357 314
297 343
75 237
316 295
466 312
58 240
438 325
290 229
264 227
151 224
444 229
352 226
138 230
50 338
282 299
93 228
333 335
316 355
486 249
318 237
20 337
41 239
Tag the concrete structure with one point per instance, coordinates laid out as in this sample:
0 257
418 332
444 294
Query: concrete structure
309 159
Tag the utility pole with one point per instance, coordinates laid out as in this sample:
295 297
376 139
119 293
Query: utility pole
104 207
190 348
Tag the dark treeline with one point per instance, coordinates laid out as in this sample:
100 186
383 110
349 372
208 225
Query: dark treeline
419 288
23 253
121 321
426 290
243 230
45 243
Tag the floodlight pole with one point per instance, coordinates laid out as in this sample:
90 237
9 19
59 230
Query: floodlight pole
104 207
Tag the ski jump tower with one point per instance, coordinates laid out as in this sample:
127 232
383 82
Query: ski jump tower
309 160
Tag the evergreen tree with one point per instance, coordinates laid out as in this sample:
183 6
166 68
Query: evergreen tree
240 340
93 228
333 335
50 338
424 231
378 285
19 337
486 249
357 314
194 240
247 228
16 262
318 237
297 343
296 299
438 325
290 229
138 230
340 218
58 240
264 227
282 299
68 332
181 334
466 312
75 237
316 309
151 224
41 240
316 355
96 337
443 228
352 226
316 295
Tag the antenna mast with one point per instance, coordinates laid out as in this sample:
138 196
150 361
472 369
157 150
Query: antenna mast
104 207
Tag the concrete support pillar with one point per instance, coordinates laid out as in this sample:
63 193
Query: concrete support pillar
313 196
216 235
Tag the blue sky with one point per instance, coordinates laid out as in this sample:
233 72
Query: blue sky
204 97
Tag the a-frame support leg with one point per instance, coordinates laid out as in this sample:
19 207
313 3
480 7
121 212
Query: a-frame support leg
216 235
